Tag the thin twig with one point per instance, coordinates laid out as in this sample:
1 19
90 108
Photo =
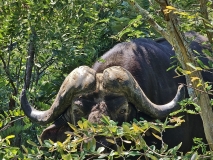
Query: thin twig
196 89
9 124
8 74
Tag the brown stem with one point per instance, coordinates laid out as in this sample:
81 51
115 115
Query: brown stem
149 19
204 13
30 61
8 75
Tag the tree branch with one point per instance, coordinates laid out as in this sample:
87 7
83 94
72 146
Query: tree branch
8 75
30 61
184 55
146 16
204 13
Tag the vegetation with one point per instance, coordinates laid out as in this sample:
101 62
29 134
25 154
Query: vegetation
42 41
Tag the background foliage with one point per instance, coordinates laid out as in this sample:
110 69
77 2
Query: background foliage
63 35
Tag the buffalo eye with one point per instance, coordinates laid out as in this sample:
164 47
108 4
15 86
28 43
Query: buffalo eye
122 111
76 111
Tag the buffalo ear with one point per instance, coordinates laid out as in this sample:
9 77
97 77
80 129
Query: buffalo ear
55 133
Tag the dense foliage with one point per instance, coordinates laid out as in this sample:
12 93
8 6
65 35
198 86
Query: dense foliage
61 35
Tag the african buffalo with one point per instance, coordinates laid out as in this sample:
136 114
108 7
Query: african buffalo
131 82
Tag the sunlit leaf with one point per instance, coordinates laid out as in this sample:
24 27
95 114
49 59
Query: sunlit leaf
39 140
100 149
194 67
155 128
194 79
59 144
157 136
10 136
73 127
105 119
126 141
80 124
152 157
103 155
66 156
110 140
171 8
38 65
24 148
113 128
136 128
126 128
31 143
86 124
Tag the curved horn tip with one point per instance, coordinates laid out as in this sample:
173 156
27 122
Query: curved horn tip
181 90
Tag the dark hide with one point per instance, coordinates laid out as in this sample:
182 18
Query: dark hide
147 61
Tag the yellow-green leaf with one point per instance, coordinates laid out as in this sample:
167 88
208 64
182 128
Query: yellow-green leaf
156 136
60 144
136 128
78 140
24 148
155 128
100 149
66 156
199 84
113 128
185 72
126 141
110 140
182 13
8 142
194 79
10 136
39 140
73 127
32 143
171 8
144 127
85 124
80 124
126 128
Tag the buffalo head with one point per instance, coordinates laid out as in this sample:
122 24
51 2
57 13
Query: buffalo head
85 93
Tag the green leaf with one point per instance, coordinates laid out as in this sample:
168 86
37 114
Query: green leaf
195 156
202 64
1 124
100 149
126 128
126 141
103 155
10 136
105 119
32 143
24 148
151 156
156 136
191 111
80 124
47 143
66 156
137 128
194 67
157 128
73 127
171 8
39 140
110 140
113 129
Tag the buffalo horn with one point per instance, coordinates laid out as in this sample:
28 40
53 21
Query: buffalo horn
118 79
81 80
